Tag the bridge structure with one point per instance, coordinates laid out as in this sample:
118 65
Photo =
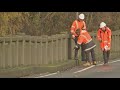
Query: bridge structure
36 54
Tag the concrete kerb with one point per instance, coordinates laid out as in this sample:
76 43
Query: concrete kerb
29 70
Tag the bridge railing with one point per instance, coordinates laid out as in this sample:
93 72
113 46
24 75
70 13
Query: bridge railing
43 50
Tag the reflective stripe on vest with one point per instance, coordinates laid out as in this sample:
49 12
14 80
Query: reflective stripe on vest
72 31
73 26
89 41
76 24
105 41
86 39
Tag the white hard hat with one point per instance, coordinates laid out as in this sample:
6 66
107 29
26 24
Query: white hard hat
81 16
102 24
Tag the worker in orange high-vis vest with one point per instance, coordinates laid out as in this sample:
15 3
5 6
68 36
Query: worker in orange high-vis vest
104 37
78 24
89 45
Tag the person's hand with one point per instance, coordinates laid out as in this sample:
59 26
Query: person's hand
73 36
106 48
100 40
108 44
76 47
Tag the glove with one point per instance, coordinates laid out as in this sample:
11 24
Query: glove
106 48
76 47
73 36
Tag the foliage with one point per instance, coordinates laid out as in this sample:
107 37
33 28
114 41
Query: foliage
48 23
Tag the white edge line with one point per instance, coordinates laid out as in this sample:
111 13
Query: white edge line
84 69
93 66
46 75
114 61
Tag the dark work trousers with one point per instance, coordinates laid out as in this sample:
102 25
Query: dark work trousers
106 55
76 52
92 55
83 55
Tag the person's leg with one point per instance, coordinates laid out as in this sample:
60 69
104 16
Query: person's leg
108 55
75 40
83 54
93 54
76 51
87 56
93 57
105 56
87 59
76 56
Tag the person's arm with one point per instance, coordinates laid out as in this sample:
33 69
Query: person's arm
79 42
99 35
84 26
109 37
73 27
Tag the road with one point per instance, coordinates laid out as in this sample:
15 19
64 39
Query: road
99 71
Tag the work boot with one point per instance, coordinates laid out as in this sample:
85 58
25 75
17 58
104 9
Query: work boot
87 64
91 63
105 64
94 63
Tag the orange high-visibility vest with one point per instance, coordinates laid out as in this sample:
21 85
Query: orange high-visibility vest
86 39
105 37
77 25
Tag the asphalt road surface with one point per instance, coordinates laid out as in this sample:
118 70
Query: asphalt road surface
112 70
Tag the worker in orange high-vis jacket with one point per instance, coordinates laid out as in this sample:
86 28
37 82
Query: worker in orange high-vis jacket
104 37
78 24
89 45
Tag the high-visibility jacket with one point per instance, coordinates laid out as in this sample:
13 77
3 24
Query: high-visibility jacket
86 39
105 38
77 25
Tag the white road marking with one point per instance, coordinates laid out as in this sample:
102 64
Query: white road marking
114 61
94 66
46 75
84 69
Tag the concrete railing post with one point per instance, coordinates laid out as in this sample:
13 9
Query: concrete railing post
23 48
66 47
69 47
119 44
14 53
44 49
40 51
10 52
0 53
29 52
17 46
57 45
51 47
3 54
63 47
36 61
